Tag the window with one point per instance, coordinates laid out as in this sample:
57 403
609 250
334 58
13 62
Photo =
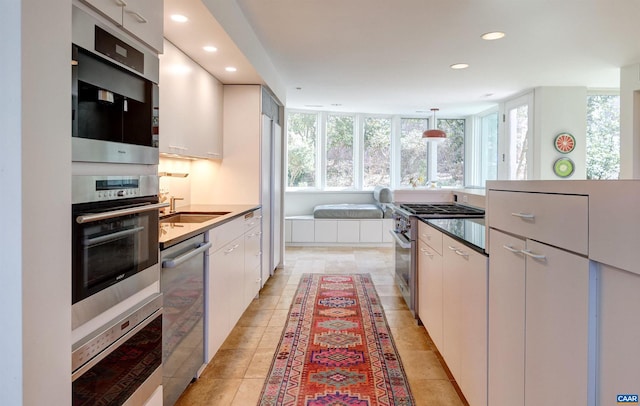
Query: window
603 136
451 153
413 151
339 152
377 152
301 150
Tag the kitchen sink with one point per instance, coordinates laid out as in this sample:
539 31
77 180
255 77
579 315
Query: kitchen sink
191 217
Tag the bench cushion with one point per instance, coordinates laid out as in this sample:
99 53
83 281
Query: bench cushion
383 194
347 211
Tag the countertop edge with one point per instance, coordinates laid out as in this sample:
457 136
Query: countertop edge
235 211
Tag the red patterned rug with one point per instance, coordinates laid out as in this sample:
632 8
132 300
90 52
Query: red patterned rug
336 348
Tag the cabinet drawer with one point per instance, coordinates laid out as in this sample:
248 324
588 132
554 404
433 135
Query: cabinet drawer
558 220
430 236
252 219
225 233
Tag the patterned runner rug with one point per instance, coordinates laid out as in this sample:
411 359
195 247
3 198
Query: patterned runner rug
336 348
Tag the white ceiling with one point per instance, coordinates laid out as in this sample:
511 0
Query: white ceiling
393 56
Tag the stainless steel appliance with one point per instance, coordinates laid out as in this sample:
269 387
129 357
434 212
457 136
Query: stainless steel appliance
406 217
182 283
114 95
114 241
120 363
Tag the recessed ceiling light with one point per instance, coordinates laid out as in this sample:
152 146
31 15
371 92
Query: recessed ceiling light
209 48
490 36
179 18
230 69
336 104
460 66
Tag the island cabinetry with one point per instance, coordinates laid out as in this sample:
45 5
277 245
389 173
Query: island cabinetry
465 318
541 321
142 18
430 281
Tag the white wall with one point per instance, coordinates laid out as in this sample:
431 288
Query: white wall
630 122
35 177
556 110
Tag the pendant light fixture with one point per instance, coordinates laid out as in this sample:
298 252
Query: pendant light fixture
434 134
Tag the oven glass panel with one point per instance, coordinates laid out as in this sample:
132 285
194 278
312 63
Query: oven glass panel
115 378
108 251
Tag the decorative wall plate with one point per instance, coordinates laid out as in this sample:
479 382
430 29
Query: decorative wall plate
564 142
563 167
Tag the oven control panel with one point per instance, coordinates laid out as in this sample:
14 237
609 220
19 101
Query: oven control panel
87 189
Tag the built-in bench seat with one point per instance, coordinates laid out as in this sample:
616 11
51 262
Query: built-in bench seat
348 211
344 224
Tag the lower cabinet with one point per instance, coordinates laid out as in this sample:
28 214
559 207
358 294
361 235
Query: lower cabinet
452 304
305 230
226 294
465 280
233 279
539 324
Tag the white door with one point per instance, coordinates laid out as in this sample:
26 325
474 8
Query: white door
517 148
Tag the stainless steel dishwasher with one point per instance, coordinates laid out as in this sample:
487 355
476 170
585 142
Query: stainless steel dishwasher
182 284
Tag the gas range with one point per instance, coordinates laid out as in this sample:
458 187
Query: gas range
441 210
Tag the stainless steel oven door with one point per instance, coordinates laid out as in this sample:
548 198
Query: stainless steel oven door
120 364
114 254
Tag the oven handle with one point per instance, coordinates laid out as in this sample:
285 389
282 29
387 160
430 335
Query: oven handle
102 355
400 241
112 236
172 263
117 213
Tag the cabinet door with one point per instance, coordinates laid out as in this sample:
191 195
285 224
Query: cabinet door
144 19
252 258
557 327
506 320
225 293
370 231
190 107
619 334
430 292
452 306
326 231
109 8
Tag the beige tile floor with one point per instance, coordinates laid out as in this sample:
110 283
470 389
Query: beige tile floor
236 374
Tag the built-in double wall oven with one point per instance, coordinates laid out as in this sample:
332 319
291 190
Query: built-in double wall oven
116 302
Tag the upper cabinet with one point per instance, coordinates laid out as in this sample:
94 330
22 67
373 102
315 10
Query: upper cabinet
190 107
142 18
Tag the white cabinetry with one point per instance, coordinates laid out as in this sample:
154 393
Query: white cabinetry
430 282
556 316
190 107
233 279
305 230
465 318
452 304
252 256
619 306
142 18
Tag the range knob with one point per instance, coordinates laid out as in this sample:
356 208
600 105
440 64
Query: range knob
120 193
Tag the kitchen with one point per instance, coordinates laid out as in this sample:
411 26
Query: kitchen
40 199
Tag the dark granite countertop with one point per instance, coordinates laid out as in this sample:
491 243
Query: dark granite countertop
172 233
469 231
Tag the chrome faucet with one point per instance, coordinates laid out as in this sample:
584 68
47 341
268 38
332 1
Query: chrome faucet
172 203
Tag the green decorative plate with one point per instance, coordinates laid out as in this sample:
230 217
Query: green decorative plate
563 167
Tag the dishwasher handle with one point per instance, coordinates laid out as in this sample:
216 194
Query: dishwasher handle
199 249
